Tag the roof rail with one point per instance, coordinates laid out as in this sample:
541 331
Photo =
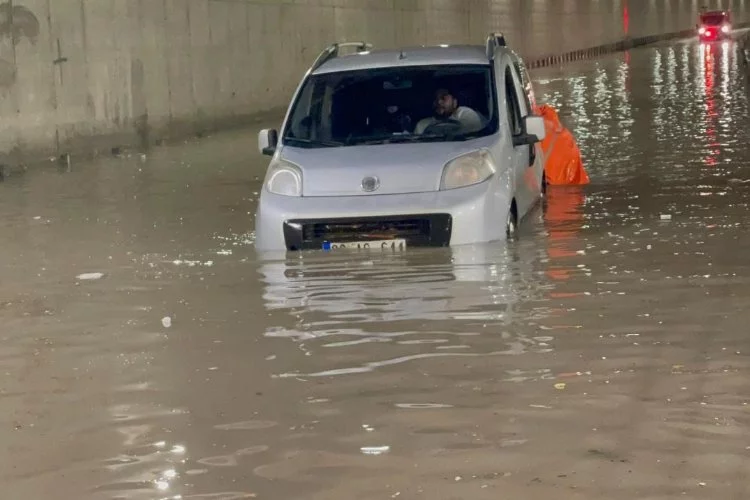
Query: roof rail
494 40
332 51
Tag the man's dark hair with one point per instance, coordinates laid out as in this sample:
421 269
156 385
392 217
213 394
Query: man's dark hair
442 92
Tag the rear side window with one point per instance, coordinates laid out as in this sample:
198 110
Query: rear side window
526 83
512 105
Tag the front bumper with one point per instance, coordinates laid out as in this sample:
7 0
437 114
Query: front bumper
715 37
430 230
461 216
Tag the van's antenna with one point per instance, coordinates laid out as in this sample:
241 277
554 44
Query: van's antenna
401 55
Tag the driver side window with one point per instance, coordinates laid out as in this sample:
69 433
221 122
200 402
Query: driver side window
512 105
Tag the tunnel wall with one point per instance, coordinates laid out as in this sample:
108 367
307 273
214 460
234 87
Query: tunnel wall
82 75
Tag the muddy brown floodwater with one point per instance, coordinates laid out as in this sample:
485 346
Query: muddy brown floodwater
148 353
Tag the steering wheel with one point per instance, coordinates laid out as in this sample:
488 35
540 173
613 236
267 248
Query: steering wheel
443 127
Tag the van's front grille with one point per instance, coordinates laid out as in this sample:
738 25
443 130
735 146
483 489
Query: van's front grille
417 230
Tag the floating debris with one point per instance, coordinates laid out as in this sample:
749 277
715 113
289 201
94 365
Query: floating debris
375 450
90 276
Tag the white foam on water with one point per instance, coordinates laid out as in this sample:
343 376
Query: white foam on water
90 276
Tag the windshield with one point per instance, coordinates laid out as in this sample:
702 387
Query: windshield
713 19
396 104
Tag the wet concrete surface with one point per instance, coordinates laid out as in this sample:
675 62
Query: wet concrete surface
602 355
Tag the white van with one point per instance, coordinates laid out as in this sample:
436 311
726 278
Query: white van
426 146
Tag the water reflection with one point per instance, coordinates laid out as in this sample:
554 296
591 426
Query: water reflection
565 220
710 115
659 94
475 299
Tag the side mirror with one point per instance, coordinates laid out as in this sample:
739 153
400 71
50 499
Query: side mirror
534 131
268 139
535 128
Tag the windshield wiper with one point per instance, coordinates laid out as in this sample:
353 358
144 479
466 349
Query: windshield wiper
311 142
383 139
402 138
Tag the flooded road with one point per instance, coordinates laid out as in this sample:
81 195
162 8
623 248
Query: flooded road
147 353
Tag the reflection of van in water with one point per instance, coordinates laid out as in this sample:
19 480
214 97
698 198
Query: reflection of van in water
714 25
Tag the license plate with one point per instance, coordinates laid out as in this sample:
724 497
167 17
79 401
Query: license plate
396 244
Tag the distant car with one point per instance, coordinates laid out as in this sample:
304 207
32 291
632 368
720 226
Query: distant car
365 161
714 25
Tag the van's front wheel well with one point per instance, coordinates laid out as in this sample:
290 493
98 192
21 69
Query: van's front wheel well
511 225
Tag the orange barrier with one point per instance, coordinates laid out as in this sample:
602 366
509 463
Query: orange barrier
562 164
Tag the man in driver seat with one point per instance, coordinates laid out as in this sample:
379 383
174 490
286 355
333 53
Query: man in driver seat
447 108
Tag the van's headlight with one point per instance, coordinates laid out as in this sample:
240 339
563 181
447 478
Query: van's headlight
467 170
284 178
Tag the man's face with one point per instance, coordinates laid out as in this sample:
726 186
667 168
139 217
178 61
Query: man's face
445 104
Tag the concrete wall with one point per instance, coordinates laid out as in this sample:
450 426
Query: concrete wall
82 74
